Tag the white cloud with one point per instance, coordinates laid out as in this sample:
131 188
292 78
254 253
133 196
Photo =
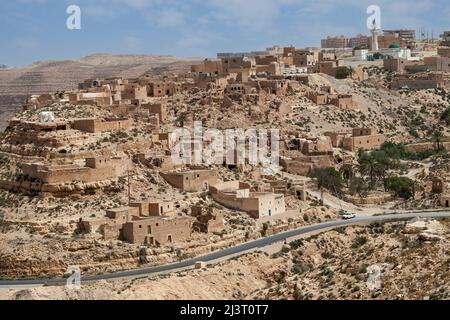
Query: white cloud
26 43
196 42
132 42
99 11
170 18
253 14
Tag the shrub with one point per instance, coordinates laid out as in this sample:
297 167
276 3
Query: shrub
402 187
343 72
300 268
359 242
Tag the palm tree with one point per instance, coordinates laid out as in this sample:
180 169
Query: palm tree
374 165
348 172
368 167
437 138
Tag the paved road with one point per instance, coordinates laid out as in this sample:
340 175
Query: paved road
230 251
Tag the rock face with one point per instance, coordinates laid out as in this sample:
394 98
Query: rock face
9 105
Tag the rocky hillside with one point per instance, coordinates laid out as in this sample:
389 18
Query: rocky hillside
389 261
51 76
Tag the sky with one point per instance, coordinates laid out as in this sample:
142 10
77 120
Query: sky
35 30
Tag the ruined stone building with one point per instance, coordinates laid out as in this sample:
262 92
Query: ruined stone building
155 209
93 125
238 196
191 180
163 88
158 230
301 156
428 80
129 224
208 219
68 178
159 109
343 101
286 186
359 138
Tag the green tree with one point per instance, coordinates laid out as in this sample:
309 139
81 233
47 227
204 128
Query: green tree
347 172
373 165
358 186
395 150
446 116
437 137
328 178
343 72
402 187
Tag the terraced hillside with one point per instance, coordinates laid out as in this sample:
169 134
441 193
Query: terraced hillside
50 76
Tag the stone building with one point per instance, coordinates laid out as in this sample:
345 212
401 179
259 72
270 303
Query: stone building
134 224
208 219
363 138
445 200
318 98
154 209
277 87
191 180
304 165
237 64
394 65
446 38
69 178
133 91
437 63
444 52
343 101
303 58
159 109
442 186
286 186
158 230
428 80
93 125
319 146
111 225
99 97
208 66
341 42
163 88
238 196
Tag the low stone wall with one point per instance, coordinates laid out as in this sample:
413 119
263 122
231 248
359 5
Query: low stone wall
32 188
425 146
375 199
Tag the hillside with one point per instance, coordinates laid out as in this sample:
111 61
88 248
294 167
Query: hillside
50 76
412 259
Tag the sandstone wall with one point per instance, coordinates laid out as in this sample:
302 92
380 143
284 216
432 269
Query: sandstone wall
158 231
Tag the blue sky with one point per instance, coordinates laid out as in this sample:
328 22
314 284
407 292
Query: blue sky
33 30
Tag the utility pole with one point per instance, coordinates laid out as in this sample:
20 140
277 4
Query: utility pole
129 187
321 196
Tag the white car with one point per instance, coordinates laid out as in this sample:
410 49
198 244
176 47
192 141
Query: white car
348 216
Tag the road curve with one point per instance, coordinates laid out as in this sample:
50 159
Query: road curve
242 248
